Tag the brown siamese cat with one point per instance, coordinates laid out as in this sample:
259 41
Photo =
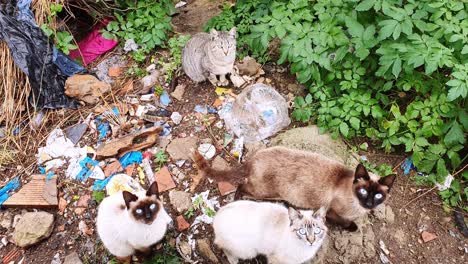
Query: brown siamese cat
308 180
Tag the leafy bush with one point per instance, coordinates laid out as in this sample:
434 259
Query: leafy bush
63 40
175 45
146 22
394 71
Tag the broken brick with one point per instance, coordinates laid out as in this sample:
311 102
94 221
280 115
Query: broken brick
113 168
62 204
427 236
115 71
226 188
83 201
182 224
164 180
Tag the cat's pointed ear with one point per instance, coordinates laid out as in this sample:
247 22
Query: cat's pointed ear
388 181
361 173
294 214
232 32
321 213
153 190
128 198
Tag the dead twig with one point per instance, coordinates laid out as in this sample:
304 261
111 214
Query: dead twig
421 195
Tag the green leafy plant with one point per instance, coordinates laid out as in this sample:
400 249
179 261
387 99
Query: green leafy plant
171 64
63 40
394 71
136 71
98 196
146 22
160 158
159 90
168 255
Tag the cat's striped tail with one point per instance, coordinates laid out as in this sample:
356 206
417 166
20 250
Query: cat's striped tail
234 176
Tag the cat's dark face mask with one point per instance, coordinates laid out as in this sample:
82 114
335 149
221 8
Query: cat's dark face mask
143 209
370 193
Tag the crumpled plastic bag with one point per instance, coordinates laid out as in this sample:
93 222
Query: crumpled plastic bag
257 113
46 67
123 182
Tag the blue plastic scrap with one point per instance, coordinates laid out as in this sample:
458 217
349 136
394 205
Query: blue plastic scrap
167 129
201 109
131 158
6 191
87 165
407 165
99 185
164 99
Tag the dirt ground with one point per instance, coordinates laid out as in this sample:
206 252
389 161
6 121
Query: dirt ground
415 210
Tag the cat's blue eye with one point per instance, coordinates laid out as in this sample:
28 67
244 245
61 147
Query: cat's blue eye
301 231
139 211
378 196
363 191
152 206
317 230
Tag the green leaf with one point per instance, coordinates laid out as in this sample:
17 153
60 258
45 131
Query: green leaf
355 123
369 33
344 129
396 31
454 135
354 27
388 27
396 69
280 31
441 168
422 142
455 92
365 5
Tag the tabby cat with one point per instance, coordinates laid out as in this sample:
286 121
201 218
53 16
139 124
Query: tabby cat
207 55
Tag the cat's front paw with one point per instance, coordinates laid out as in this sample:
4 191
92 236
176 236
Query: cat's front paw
224 83
352 227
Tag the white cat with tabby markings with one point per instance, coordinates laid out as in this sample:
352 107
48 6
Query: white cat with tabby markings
245 229
128 222
207 55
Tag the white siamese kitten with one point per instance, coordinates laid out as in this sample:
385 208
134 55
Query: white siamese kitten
128 222
245 229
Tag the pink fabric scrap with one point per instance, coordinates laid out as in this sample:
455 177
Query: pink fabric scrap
94 45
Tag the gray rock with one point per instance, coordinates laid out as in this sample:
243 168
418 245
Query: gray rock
180 148
56 259
309 138
384 213
205 250
6 220
180 200
179 91
32 228
72 258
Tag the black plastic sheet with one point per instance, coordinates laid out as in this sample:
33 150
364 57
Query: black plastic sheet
34 55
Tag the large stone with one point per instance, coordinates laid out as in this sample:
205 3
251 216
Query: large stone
179 91
180 200
86 88
309 139
205 250
180 148
32 228
72 258
248 66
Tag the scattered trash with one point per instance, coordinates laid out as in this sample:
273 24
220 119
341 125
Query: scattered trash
167 129
56 259
207 207
150 81
180 4
257 113
136 141
222 91
146 164
185 245
76 132
176 118
248 66
134 157
7 190
122 182
94 45
238 81
384 259
447 183
182 223
112 168
383 247
203 109
115 71
102 69
228 138
427 236
87 166
84 229
86 88
147 97
180 163
37 120
207 150
130 45
407 165
238 147
33 53
37 193
164 99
